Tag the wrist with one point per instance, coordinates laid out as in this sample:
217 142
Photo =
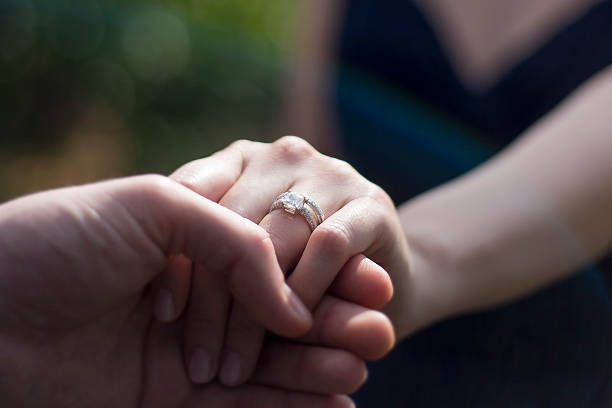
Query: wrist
438 286
430 296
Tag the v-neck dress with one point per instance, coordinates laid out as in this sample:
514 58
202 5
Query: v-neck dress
408 124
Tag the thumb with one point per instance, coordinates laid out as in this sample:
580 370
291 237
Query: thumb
179 220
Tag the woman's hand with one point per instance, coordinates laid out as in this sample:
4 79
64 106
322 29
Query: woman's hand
360 220
76 324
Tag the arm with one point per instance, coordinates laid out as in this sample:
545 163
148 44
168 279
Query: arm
528 217
525 219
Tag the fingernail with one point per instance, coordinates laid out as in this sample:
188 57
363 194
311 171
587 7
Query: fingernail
346 401
299 309
164 305
366 374
200 366
231 370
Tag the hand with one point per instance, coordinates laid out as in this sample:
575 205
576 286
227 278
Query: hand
76 326
246 177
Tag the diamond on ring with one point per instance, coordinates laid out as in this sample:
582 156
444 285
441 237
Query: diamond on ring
292 202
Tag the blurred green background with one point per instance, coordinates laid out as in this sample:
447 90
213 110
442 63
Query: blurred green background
95 89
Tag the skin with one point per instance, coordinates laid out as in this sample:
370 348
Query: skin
534 227
542 213
484 39
246 177
540 206
76 302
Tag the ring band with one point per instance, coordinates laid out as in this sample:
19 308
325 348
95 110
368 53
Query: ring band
293 202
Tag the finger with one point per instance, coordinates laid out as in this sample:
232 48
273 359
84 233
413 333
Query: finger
351 230
360 281
172 289
289 236
213 176
205 324
166 385
245 337
344 325
177 220
364 282
290 232
257 396
300 367
243 343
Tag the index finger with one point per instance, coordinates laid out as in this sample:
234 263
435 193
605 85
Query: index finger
179 220
214 175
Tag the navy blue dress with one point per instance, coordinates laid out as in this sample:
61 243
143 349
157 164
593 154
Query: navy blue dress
403 111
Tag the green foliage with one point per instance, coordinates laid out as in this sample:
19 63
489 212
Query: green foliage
183 77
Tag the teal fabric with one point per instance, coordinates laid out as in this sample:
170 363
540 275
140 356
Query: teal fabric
393 134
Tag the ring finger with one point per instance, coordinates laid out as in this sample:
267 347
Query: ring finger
289 234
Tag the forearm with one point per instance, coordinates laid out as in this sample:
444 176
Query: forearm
528 217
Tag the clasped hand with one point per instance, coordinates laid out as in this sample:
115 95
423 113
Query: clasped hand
158 292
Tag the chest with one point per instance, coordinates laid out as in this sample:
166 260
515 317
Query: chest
483 39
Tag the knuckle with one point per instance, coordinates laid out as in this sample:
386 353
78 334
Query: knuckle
332 238
187 175
384 221
156 182
241 145
379 195
156 186
293 148
380 210
342 170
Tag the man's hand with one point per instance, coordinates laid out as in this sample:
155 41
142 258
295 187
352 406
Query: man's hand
76 325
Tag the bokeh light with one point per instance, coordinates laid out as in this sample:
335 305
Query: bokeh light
17 28
91 89
156 45
75 29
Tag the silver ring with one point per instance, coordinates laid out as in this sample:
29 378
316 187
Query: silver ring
293 202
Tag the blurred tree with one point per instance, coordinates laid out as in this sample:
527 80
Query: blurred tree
92 89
